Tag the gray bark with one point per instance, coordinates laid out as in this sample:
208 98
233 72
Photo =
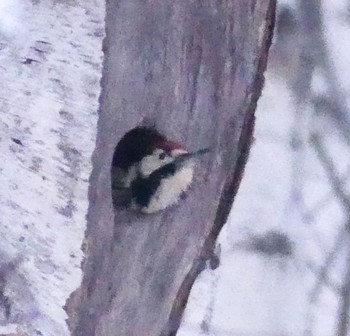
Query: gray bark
194 69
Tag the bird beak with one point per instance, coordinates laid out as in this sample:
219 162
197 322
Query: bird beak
182 158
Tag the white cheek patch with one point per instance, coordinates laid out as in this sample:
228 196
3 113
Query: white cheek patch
151 163
170 190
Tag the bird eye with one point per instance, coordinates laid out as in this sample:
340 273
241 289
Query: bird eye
162 156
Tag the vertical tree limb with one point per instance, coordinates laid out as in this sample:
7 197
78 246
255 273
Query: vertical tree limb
195 70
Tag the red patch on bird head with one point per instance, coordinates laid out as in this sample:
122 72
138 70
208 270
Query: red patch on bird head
169 146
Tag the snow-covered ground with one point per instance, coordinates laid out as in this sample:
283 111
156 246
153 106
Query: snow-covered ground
50 68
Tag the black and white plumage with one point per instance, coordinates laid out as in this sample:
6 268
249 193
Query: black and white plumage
158 172
161 181
131 149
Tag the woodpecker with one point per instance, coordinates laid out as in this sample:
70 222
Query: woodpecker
154 172
131 149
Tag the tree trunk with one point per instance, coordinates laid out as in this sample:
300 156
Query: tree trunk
194 69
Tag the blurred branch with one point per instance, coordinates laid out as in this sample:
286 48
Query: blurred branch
343 316
343 197
308 217
333 176
326 106
310 21
314 52
322 203
323 278
322 273
308 17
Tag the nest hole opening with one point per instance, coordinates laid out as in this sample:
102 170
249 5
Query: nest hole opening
131 148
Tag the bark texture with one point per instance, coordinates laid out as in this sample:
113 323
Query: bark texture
194 69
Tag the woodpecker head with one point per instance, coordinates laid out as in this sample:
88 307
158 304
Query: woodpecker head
131 149
162 153
162 156
164 177
135 145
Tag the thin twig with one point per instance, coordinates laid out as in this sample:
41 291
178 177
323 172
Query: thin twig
322 274
329 283
326 106
337 185
333 176
316 54
343 315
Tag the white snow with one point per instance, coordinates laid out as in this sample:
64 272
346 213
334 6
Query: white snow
48 103
10 17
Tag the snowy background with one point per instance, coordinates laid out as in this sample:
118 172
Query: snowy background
285 256
50 68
